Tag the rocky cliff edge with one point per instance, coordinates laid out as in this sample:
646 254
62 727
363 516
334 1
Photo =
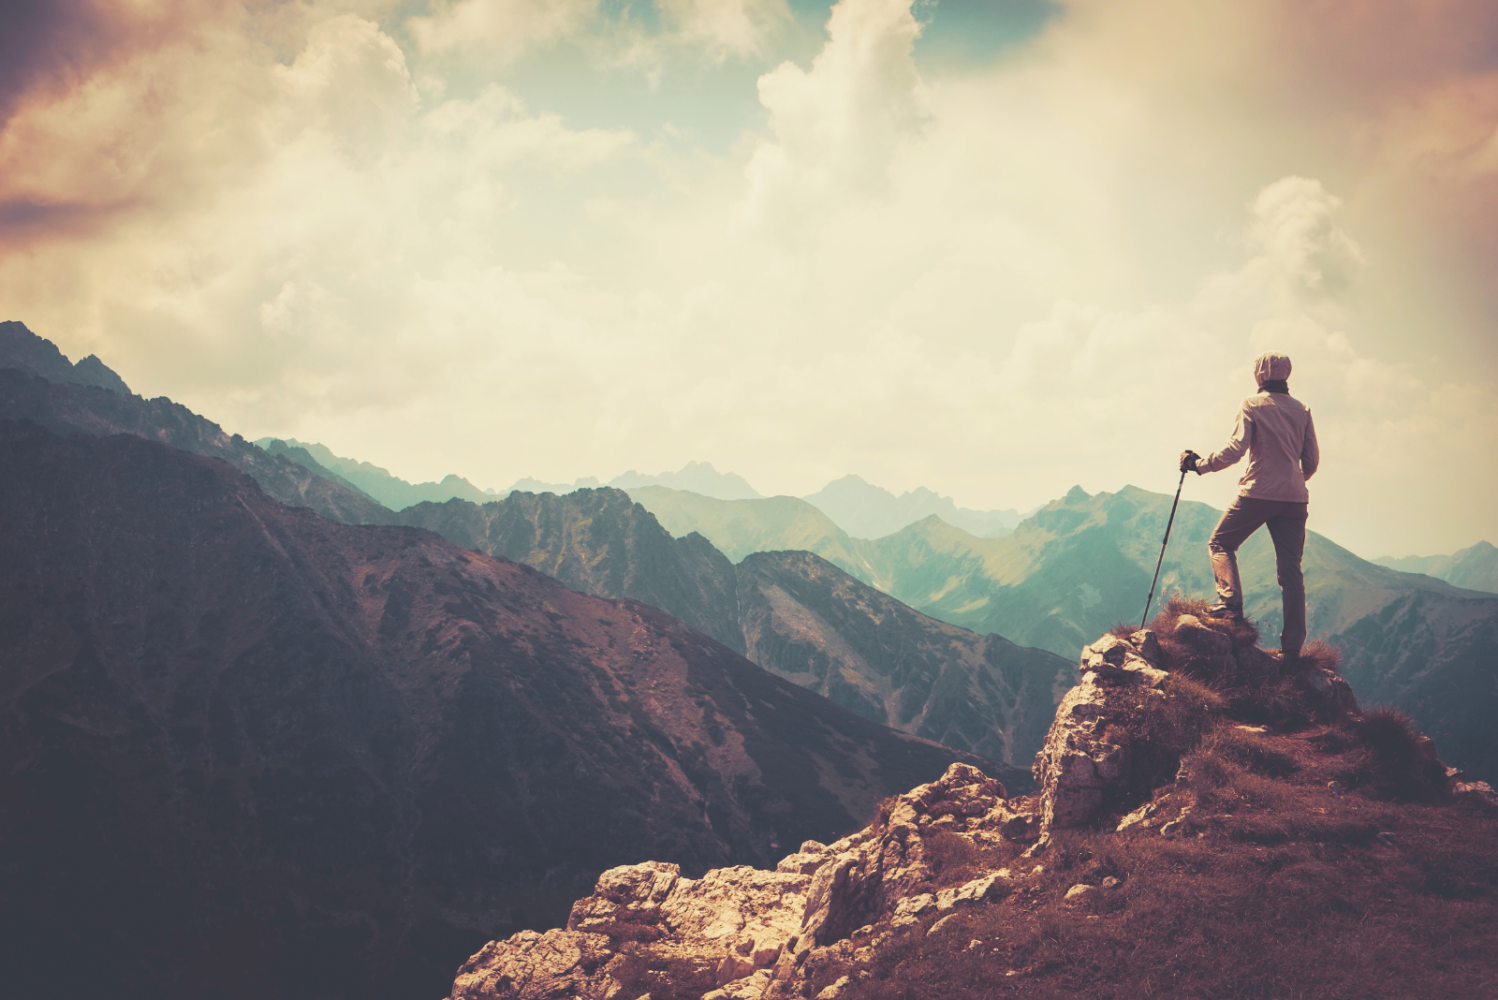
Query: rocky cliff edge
1176 733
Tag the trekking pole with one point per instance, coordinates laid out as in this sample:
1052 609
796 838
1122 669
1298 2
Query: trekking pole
1151 599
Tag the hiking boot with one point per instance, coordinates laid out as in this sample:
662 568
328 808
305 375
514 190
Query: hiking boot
1231 612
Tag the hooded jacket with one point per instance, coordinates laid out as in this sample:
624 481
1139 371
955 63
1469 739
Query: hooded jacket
1276 430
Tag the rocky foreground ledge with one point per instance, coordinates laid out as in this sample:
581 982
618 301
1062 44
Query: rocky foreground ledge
1119 757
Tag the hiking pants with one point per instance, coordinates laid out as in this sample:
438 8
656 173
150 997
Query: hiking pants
1287 526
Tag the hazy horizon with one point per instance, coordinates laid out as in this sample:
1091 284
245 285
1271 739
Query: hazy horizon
995 249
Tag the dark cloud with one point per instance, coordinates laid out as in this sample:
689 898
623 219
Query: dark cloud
49 46
23 220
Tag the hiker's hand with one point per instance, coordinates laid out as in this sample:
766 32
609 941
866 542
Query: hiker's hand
1189 459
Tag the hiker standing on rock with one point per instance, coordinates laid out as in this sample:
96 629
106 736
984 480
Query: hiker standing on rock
1276 430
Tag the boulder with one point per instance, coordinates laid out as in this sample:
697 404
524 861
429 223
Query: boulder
1331 690
1079 761
1206 644
626 902
1146 645
530 966
980 890
1118 660
1254 662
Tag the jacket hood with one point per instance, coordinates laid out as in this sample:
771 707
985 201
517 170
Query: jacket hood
1272 366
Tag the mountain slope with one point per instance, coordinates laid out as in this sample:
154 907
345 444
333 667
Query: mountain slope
251 752
371 480
598 542
24 350
793 613
1475 568
810 622
740 527
867 511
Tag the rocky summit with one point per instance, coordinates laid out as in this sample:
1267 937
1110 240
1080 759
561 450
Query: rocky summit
1210 821
249 752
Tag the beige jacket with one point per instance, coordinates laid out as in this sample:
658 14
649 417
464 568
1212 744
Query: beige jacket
1276 430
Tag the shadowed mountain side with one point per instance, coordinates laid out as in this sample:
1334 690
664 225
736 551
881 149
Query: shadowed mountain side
793 613
301 456
251 752
22 349
1475 567
78 409
599 542
810 622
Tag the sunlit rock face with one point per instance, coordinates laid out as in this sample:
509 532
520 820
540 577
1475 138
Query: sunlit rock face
741 932
338 758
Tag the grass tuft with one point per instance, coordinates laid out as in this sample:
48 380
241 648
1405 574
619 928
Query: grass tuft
1391 760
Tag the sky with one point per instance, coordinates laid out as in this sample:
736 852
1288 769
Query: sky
993 248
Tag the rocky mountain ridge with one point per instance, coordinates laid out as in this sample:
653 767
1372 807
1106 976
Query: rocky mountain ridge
1473 568
374 482
1185 744
38 384
864 510
793 613
1084 562
248 751
974 693
23 350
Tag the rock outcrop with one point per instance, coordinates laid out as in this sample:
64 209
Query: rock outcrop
814 926
760 933
1084 755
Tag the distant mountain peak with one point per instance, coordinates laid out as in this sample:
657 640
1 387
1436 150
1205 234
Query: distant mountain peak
36 355
864 510
694 477
371 480
1475 567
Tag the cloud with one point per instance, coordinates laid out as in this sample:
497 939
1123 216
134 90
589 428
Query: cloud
837 126
1294 230
499 30
726 27
997 281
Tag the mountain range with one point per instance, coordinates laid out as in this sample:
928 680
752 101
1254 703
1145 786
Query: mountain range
1069 571
1475 568
792 613
695 477
248 751
103 404
1083 563
371 480
867 511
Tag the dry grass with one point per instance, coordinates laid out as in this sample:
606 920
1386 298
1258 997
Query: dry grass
1322 858
1221 918
955 860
